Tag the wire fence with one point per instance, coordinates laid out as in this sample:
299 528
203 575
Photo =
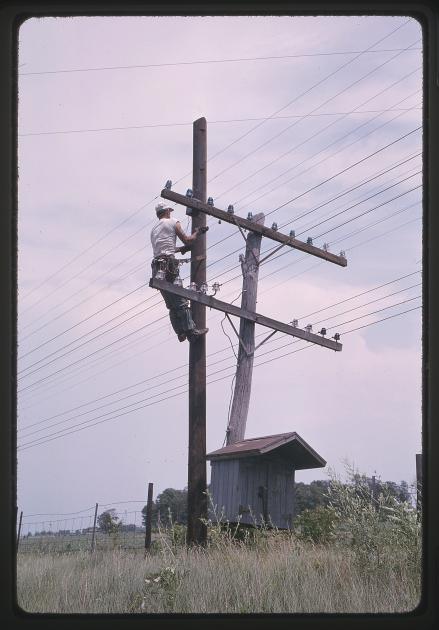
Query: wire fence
81 532
88 529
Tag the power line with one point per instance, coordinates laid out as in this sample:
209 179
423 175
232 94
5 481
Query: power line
294 199
80 369
52 437
353 247
215 363
229 145
84 343
322 183
63 332
314 110
344 236
121 323
117 316
89 355
211 122
211 61
336 141
168 372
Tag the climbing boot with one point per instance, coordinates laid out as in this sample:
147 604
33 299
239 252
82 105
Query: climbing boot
196 333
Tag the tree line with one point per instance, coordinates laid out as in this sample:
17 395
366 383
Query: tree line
171 504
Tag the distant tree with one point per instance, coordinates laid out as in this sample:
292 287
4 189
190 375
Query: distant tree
311 496
108 522
170 502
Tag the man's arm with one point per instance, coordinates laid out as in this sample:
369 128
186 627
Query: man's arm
187 239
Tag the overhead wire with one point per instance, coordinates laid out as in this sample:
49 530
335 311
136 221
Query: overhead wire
190 124
80 426
166 373
225 148
166 382
339 93
84 300
321 262
208 61
142 302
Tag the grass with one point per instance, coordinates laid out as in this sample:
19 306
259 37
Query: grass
358 554
278 574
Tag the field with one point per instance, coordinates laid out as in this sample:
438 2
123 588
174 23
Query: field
277 573
356 555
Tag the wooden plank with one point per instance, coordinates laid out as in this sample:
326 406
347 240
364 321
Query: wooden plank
274 235
225 307
235 488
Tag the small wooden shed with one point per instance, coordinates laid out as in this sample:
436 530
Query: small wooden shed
252 481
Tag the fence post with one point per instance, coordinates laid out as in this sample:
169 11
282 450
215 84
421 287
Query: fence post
419 484
19 528
374 501
148 518
94 530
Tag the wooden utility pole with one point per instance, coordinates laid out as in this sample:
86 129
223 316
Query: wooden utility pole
148 518
197 479
244 367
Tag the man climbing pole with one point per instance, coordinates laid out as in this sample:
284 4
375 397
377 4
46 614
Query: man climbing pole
163 238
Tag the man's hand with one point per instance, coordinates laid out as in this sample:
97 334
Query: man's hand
202 230
183 249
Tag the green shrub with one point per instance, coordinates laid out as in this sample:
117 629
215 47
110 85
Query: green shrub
317 525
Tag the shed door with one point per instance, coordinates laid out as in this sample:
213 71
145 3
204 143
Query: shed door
252 478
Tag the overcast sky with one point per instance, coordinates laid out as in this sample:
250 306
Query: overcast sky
106 107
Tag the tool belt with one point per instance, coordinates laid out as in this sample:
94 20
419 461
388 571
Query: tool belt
168 263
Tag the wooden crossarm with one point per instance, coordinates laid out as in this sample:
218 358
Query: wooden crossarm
231 309
253 227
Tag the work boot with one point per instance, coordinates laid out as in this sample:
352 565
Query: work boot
196 333
182 336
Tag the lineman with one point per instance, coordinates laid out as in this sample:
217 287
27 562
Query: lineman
163 238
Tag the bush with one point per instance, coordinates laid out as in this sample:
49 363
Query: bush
317 526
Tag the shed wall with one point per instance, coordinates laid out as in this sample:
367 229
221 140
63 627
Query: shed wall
224 489
235 490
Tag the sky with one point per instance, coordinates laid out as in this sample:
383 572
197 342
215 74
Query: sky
315 121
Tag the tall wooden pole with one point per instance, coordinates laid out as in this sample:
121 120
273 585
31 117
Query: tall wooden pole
244 368
197 480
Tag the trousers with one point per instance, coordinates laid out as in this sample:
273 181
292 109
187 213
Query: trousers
179 311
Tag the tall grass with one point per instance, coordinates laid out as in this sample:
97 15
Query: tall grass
353 556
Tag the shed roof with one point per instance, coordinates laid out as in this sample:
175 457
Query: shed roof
288 445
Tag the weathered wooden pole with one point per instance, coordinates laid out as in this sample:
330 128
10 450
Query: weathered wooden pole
93 536
244 367
197 477
148 518
419 484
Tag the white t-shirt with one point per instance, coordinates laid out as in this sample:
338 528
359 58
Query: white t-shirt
164 237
